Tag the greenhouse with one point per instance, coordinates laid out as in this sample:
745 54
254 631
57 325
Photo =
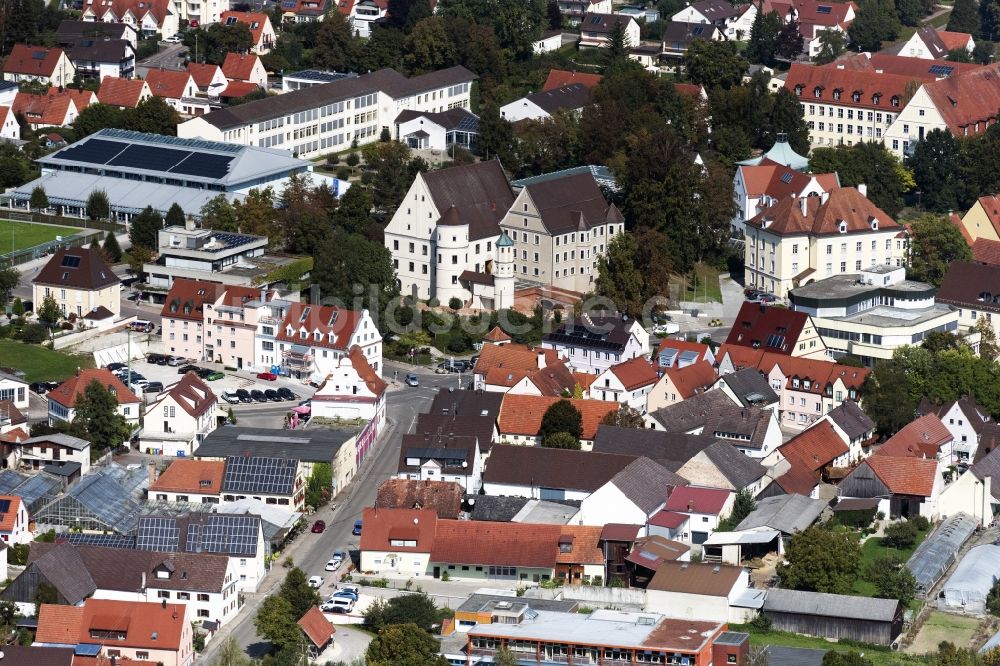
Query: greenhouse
933 557
103 501
967 588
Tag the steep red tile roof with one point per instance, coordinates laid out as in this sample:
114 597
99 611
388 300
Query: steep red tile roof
778 181
772 329
798 480
915 68
316 627
345 7
239 66
814 448
49 110
502 544
59 624
968 100
202 72
14 436
695 499
954 40
692 379
8 520
253 20
506 365
843 204
383 525
189 475
191 394
584 379
669 519
922 438
522 414
559 77
496 334
187 298
818 372
636 373
325 319
237 89
138 8
991 206
371 378
586 547
32 60
741 357
808 12
905 475
986 251
67 393
166 83
126 93
691 90
140 621
805 80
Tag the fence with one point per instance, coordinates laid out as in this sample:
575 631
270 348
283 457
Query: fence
24 255
59 220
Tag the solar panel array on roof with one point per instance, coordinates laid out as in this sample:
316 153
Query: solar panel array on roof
824 9
584 338
182 159
316 75
268 476
92 151
786 178
776 341
120 541
156 533
941 70
229 534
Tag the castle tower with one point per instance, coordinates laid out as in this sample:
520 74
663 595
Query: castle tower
503 273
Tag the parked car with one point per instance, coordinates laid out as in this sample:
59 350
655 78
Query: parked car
411 379
115 366
767 298
350 587
175 360
41 388
153 387
231 396
244 395
174 39
315 582
142 326
267 376
157 359
214 376
184 369
272 395
319 527
357 528
138 384
258 395
285 393
345 594
337 605
203 373
666 329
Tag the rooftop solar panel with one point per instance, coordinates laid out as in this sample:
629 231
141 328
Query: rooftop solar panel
92 151
71 261
236 535
270 476
206 166
156 533
119 541
149 157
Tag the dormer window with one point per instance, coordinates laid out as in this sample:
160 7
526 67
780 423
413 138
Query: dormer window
304 335
874 224
894 100
798 90
856 96
876 98
817 92
842 226
836 93
318 336
288 331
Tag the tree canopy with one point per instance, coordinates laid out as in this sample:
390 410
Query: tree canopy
934 244
404 645
561 417
820 560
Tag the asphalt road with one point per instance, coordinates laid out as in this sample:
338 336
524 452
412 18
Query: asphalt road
165 58
311 551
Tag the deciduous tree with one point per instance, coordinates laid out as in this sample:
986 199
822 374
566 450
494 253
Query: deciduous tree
9 279
789 42
49 312
831 44
219 214
145 228
714 63
39 199
934 244
624 417
97 414
274 622
428 47
335 45
819 560
404 645
561 416
876 22
350 261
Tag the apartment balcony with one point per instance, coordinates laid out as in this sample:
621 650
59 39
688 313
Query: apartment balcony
297 358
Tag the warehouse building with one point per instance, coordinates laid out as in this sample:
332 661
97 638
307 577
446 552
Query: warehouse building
138 170
835 616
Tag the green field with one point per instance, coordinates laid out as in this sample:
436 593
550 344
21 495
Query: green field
28 234
701 285
40 363
879 655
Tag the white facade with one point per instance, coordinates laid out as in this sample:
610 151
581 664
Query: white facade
401 563
346 395
595 361
919 117
179 420
527 489
9 127
364 14
608 504
547 43
522 109
15 390
608 386
16 529
735 27
328 120
700 606
62 74
37 452
968 494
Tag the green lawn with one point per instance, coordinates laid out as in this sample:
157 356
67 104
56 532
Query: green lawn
939 627
40 363
701 285
871 550
879 655
28 234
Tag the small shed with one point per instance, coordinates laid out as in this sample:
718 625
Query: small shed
737 547
786 513
835 616
317 629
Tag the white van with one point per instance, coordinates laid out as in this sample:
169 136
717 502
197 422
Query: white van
337 605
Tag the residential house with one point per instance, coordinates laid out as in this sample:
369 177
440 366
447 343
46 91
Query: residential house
924 437
986 251
311 339
136 630
646 556
260 26
559 78
189 481
813 17
13 426
628 383
245 68
596 29
964 105
794 242
365 14
317 629
905 486
760 186
561 225
676 353
10 128
967 421
69 32
982 221
15 390
521 369
812 454
304 11
670 449
56 108
183 316
123 93
179 418
592 344
47 65
748 387
423 130
549 474
520 419
573 11
33 655
677 37
716 592
231 323
445 227
56 448
632 495
209 78
63 398
352 391
722 465
776 330
972 288
15 524
270 480
854 426
704 508
444 497
441 456
870 314
98 58
545 104
734 21
176 88
146 17
80 282
929 43
679 384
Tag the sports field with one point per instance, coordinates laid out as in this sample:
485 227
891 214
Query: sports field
20 235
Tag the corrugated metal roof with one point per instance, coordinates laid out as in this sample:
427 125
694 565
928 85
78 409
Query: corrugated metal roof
830 605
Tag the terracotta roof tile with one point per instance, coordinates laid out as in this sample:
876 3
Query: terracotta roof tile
59 624
202 72
559 77
669 519
696 499
915 68
798 479
692 379
188 475
986 251
506 365
239 66
8 520
9 411
777 181
444 497
522 414
191 394
636 373
326 319
316 627
371 378
255 21
808 11
496 334
379 526
69 391
692 90
815 447
237 89
843 204
830 80
502 544
922 438
159 9
142 621
586 547
168 84
32 60
954 40
48 110
905 475
968 101
125 93
187 298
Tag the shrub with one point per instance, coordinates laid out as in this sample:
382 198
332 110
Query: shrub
761 622
920 522
342 173
900 535
455 303
34 333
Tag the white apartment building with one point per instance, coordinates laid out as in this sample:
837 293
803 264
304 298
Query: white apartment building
326 118
311 339
803 239
180 418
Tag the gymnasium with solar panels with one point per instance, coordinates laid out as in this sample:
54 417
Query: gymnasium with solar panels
138 170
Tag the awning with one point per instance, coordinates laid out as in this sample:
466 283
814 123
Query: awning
742 538
302 409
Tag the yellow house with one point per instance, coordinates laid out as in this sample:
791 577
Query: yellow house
983 219
80 282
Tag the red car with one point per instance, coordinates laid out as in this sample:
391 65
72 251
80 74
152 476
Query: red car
267 376
318 527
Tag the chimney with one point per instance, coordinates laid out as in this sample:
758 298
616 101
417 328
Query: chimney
804 205
142 585
541 359
824 197
163 604
151 472
189 223
863 189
